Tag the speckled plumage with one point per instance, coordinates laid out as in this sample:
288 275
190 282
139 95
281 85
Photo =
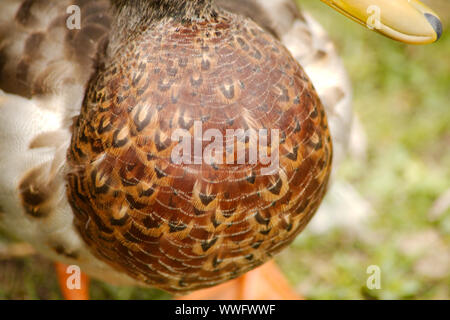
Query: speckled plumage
105 129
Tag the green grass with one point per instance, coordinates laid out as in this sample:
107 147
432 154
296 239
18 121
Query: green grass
402 96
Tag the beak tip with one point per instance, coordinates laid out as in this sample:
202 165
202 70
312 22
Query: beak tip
435 23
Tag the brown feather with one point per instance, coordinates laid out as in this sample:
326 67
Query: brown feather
170 225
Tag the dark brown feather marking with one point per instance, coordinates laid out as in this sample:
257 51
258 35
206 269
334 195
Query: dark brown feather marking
35 195
62 251
24 15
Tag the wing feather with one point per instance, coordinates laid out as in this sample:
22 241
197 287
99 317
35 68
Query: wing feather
39 54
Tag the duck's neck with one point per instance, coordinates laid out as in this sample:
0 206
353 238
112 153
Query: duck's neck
151 10
134 16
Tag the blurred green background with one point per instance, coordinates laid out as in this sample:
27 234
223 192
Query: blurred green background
402 98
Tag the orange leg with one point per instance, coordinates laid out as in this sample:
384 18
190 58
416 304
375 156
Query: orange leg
264 283
72 294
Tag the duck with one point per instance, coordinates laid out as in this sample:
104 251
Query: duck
115 152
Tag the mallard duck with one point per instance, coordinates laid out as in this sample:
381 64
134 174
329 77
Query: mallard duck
88 116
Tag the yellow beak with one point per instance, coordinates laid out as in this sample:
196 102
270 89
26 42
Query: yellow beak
408 21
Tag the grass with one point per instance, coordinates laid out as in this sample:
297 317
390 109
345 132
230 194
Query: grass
402 96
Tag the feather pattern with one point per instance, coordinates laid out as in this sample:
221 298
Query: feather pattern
49 74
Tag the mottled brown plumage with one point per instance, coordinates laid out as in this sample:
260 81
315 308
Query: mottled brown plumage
185 227
36 46
87 117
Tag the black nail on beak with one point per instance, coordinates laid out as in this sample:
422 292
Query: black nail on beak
435 23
